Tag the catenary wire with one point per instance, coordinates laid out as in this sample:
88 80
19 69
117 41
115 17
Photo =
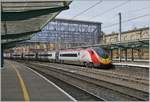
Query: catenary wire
127 20
97 3
108 10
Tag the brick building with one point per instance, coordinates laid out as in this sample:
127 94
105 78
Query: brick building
141 52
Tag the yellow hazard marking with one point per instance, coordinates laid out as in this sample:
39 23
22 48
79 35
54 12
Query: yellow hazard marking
23 86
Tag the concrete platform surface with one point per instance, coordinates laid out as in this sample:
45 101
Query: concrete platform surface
134 64
19 83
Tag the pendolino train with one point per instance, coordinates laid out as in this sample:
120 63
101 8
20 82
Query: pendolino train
90 57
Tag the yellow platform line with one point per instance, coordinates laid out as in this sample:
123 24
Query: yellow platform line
23 86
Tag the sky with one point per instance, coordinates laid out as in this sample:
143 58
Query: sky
135 13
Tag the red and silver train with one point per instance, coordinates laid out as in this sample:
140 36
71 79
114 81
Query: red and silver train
90 57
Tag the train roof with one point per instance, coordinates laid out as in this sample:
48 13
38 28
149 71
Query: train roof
72 49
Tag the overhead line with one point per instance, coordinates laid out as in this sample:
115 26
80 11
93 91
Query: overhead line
130 11
139 9
97 3
108 10
108 26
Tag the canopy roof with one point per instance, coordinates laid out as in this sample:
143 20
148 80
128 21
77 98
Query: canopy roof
22 18
136 44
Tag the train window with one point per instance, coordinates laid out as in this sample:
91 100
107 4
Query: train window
30 55
68 55
16 55
101 52
91 52
78 53
45 54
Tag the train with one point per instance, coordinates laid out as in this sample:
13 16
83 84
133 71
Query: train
89 57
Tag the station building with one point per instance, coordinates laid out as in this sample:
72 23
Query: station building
140 51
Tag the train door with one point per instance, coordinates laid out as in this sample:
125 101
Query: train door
21 55
57 56
36 56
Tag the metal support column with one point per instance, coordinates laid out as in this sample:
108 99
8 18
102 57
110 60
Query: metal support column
2 56
111 54
119 38
132 55
139 53
126 56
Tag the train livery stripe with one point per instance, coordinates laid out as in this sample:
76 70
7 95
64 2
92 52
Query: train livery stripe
93 57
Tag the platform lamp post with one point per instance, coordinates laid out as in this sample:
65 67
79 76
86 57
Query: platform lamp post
119 35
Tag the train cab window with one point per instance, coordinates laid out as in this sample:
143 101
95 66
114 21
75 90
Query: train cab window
101 52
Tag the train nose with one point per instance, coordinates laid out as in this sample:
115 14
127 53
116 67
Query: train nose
106 61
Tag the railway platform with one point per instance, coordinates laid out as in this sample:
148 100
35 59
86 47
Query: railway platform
20 83
133 64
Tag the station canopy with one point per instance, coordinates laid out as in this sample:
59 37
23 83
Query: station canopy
136 44
22 18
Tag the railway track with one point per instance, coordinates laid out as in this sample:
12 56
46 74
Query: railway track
108 90
141 75
77 93
114 73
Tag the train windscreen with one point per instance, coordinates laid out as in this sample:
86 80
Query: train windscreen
101 52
